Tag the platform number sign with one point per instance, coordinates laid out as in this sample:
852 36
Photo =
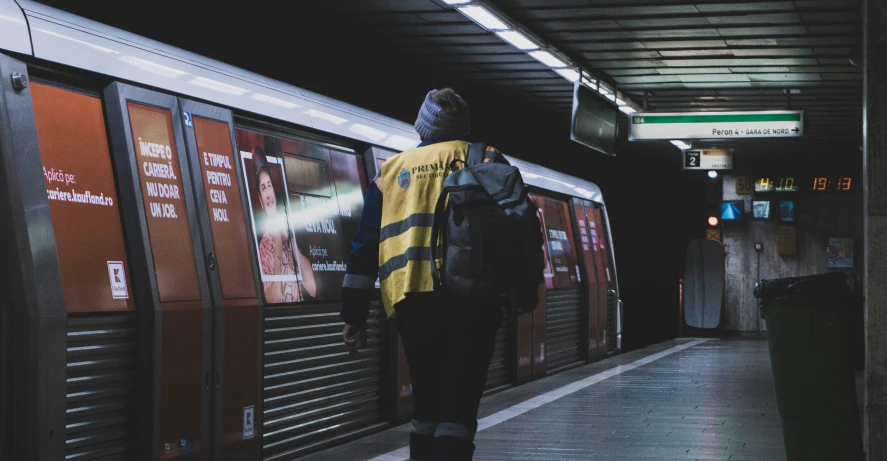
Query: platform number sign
692 158
188 121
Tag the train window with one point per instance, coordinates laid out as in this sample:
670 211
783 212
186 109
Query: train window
348 174
562 262
82 200
306 175
164 196
600 243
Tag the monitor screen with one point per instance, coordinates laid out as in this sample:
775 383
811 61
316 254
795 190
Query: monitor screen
731 210
595 121
760 209
787 211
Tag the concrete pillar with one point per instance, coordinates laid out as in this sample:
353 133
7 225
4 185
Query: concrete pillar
875 206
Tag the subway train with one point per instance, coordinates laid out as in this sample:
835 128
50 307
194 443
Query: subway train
175 237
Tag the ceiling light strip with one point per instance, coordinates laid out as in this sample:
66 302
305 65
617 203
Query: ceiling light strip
490 18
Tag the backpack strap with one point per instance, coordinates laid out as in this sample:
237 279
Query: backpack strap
477 152
438 232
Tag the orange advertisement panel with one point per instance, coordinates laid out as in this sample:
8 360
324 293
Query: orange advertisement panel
164 197
222 191
82 200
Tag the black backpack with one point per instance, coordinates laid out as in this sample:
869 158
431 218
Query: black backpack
489 233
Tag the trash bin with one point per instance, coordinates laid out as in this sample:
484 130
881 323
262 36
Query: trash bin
809 325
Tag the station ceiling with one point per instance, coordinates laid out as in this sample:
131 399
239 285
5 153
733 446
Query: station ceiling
678 55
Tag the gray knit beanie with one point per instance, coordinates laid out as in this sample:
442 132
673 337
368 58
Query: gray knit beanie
435 123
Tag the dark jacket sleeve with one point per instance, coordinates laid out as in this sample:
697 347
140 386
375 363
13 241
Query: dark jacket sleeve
363 265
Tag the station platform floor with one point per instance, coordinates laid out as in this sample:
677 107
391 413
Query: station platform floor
687 399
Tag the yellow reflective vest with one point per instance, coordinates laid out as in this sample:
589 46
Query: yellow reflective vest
411 183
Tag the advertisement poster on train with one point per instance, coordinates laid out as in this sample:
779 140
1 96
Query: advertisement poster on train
82 200
303 227
222 194
349 175
558 233
548 272
316 215
281 264
163 192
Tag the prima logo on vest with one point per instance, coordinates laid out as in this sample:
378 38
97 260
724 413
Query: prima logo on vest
404 179
432 170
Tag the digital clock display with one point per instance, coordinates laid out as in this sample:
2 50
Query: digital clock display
782 184
769 184
826 183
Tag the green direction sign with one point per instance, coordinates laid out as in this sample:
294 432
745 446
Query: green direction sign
716 125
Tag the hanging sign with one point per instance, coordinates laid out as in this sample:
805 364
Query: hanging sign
716 125
708 159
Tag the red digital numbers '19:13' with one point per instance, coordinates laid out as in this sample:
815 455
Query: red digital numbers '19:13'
826 184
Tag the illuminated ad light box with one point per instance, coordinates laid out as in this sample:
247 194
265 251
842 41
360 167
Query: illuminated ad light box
731 210
708 159
787 211
649 126
760 209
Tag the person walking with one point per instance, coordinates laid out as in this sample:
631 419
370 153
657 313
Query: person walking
448 306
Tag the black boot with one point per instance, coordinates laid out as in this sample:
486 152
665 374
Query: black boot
420 446
447 448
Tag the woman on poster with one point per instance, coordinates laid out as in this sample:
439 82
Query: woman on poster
278 252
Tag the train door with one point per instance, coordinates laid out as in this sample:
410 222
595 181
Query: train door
564 308
305 200
550 339
588 242
606 280
192 274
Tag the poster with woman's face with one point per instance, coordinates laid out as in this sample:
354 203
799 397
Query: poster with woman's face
279 261
314 196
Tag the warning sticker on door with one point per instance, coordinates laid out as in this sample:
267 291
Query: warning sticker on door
248 422
118 280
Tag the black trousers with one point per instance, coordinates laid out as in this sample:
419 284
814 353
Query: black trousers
448 347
